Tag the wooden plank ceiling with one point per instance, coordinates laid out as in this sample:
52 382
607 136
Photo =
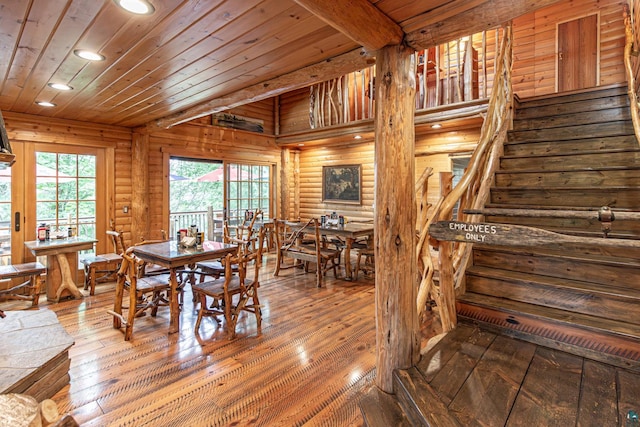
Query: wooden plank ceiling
194 57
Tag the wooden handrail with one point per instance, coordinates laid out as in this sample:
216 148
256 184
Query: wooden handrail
471 192
631 39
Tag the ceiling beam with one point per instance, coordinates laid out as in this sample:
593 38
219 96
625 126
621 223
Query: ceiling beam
322 71
359 20
464 17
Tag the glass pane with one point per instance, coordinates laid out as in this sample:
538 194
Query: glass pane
87 166
67 165
86 189
45 190
45 212
67 190
5 189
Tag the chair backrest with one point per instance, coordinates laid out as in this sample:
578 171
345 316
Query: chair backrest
242 261
117 241
245 230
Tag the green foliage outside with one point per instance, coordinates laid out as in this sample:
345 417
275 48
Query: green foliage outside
189 195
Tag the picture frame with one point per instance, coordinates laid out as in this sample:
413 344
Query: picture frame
342 184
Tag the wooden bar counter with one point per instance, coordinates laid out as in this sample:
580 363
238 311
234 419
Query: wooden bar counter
62 257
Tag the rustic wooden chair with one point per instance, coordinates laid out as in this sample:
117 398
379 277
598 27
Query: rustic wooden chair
145 293
103 267
304 243
365 261
232 293
215 268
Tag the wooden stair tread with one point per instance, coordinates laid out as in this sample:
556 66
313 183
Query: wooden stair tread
599 324
571 154
537 279
551 252
615 89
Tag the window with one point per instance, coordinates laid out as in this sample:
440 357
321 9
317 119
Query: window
66 193
248 189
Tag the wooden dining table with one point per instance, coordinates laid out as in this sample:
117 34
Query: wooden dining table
170 255
350 232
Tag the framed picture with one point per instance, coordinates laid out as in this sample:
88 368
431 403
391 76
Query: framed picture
342 184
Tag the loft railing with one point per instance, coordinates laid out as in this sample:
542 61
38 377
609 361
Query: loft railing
470 193
458 71
631 62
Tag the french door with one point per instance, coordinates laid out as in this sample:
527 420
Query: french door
61 186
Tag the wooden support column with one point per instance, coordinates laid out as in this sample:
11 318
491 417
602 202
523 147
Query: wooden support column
140 187
285 156
395 215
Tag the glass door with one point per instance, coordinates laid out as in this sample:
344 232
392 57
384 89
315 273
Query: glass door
63 187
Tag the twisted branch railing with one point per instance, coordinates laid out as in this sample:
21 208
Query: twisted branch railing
631 40
471 193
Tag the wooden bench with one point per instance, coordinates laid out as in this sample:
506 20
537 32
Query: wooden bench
33 272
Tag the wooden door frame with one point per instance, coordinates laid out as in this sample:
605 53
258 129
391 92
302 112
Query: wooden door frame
168 154
557 53
104 191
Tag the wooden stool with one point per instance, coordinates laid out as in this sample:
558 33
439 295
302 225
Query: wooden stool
33 271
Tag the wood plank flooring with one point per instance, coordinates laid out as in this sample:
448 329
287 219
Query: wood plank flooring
309 365
486 379
312 363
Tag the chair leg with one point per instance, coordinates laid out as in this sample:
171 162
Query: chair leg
131 315
203 307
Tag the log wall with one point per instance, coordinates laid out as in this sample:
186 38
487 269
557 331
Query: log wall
432 149
534 44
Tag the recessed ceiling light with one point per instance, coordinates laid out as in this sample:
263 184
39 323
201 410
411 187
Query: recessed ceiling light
139 7
301 144
436 126
88 55
60 86
357 137
45 104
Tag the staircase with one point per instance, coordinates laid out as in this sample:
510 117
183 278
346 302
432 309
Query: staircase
570 152
573 151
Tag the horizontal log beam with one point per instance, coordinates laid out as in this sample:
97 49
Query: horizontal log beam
359 20
331 68
464 17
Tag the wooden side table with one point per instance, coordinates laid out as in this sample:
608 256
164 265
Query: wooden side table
62 256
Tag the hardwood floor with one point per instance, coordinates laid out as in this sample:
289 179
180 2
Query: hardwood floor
310 364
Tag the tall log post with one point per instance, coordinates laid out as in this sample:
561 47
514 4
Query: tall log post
140 187
285 161
395 214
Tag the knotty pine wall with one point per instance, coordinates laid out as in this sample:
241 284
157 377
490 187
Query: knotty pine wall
534 44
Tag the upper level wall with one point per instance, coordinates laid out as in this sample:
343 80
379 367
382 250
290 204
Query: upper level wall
535 44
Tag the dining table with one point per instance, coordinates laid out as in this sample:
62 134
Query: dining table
172 255
350 232
62 264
